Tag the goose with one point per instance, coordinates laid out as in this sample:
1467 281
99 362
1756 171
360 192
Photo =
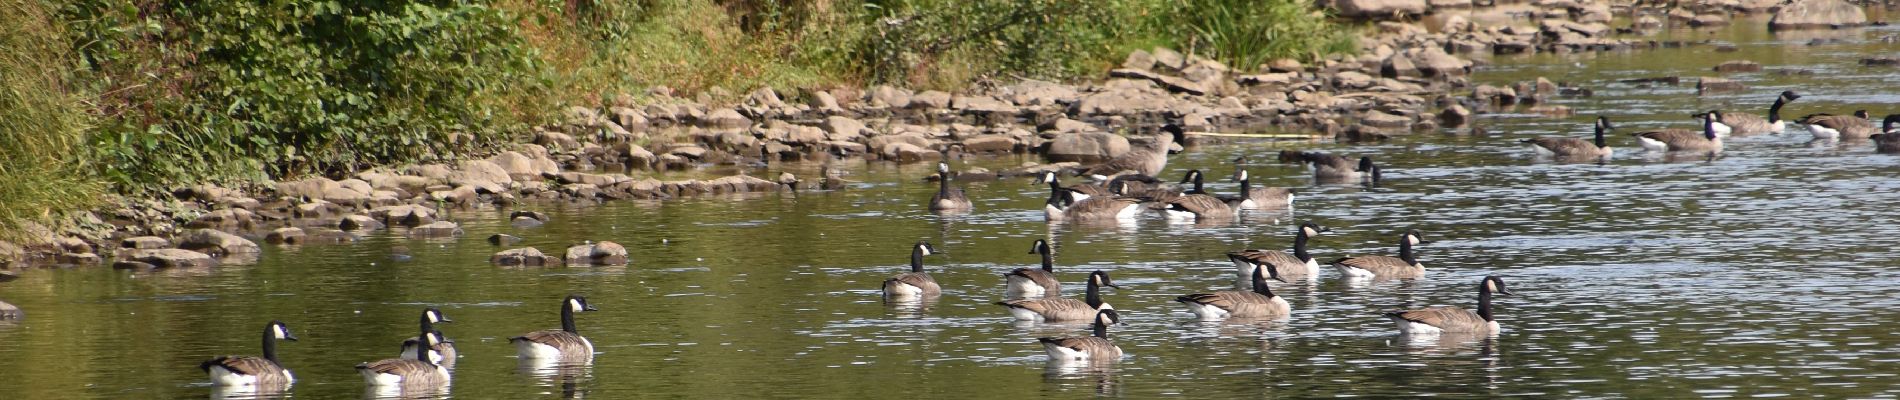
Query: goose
1333 168
1750 124
1854 127
1436 320
1101 209
1300 264
1192 207
1258 198
1257 303
1077 192
1031 282
1057 205
407 373
1145 161
1571 148
259 372
1063 309
1405 266
565 344
443 351
915 283
1667 140
1086 348
1887 142
948 198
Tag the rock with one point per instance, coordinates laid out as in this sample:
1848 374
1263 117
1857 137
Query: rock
884 96
1455 116
521 167
930 100
480 173
1139 59
1552 110
1086 147
1448 3
556 140
725 117
1647 22
359 222
1709 20
164 258
630 119
406 214
1810 14
502 239
842 128
144 243
436 229
1381 119
1738 66
989 144
907 152
1033 93
1121 101
288 235
823 102
1379 8
1285 65
1172 83
601 253
77 259
1398 66
523 257
1713 84
216 243
1065 125
1169 59
1434 62
313 187
1455 24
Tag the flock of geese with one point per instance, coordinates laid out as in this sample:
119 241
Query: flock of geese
423 366
1125 188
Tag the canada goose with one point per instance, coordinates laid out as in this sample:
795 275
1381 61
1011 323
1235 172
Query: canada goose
407 373
1404 266
1258 198
1332 168
443 352
1300 264
565 344
915 283
1750 124
1435 320
948 198
1058 204
1027 282
1086 348
1257 303
1145 161
1063 309
1100 209
1683 139
1077 192
1854 127
262 372
1192 207
1571 148
1888 141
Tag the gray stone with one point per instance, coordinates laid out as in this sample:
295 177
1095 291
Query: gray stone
523 257
1810 14
359 222
228 219
885 96
1169 59
312 187
164 258
842 128
1709 20
288 235
725 118
930 99
406 214
216 243
144 243
989 144
1455 116
436 229
1379 8
1139 59
1738 66
1086 147
824 102
600 253
907 152
1713 84
1434 62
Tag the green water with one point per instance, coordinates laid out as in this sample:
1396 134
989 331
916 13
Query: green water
1765 272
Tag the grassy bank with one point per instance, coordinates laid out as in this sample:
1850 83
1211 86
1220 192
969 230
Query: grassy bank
134 96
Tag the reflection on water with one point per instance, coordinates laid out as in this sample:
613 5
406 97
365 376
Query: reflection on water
1765 271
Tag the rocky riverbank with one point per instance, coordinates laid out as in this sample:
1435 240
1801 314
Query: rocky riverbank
1408 78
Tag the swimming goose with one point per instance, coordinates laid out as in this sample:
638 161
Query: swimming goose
565 344
1404 266
948 198
915 283
1332 168
1145 161
1031 282
1058 204
406 373
1571 148
1192 207
1077 192
1100 209
1887 142
1435 320
1257 303
1063 309
1300 264
443 352
1852 127
1683 139
1750 124
1257 198
261 372
1086 348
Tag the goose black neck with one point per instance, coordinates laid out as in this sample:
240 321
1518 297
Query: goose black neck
1053 185
1299 246
1048 260
1599 138
1708 127
1246 188
943 185
1886 125
422 348
1099 329
1260 281
427 326
1484 300
1094 298
1774 111
917 260
270 343
567 316
1405 252
1197 184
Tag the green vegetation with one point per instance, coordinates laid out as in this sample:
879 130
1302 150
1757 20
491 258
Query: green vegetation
142 95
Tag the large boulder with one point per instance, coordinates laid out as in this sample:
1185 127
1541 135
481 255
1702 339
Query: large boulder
523 257
1086 147
164 258
1379 8
602 253
216 243
1810 14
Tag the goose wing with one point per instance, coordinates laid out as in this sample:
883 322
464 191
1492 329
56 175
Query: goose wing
246 365
1377 265
1744 123
404 367
555 338
918 279
1099 208
1084 344
1675 138
1284 262
1203 205
1091 190
1836 122
1131 161
1054 309
1045 279
1564 146
1230 300
1447 318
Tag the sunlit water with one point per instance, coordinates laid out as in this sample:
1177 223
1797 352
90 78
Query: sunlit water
1766 272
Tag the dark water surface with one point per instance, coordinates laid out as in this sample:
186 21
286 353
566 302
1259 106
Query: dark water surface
1766 272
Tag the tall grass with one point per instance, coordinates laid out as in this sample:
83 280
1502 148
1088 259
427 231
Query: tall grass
43 153
1247 33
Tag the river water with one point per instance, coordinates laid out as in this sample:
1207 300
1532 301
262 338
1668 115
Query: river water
1766 272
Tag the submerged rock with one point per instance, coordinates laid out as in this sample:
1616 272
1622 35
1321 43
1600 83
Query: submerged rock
601 253
523 257
1811 14
436 229
216 243
163 258
289 235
